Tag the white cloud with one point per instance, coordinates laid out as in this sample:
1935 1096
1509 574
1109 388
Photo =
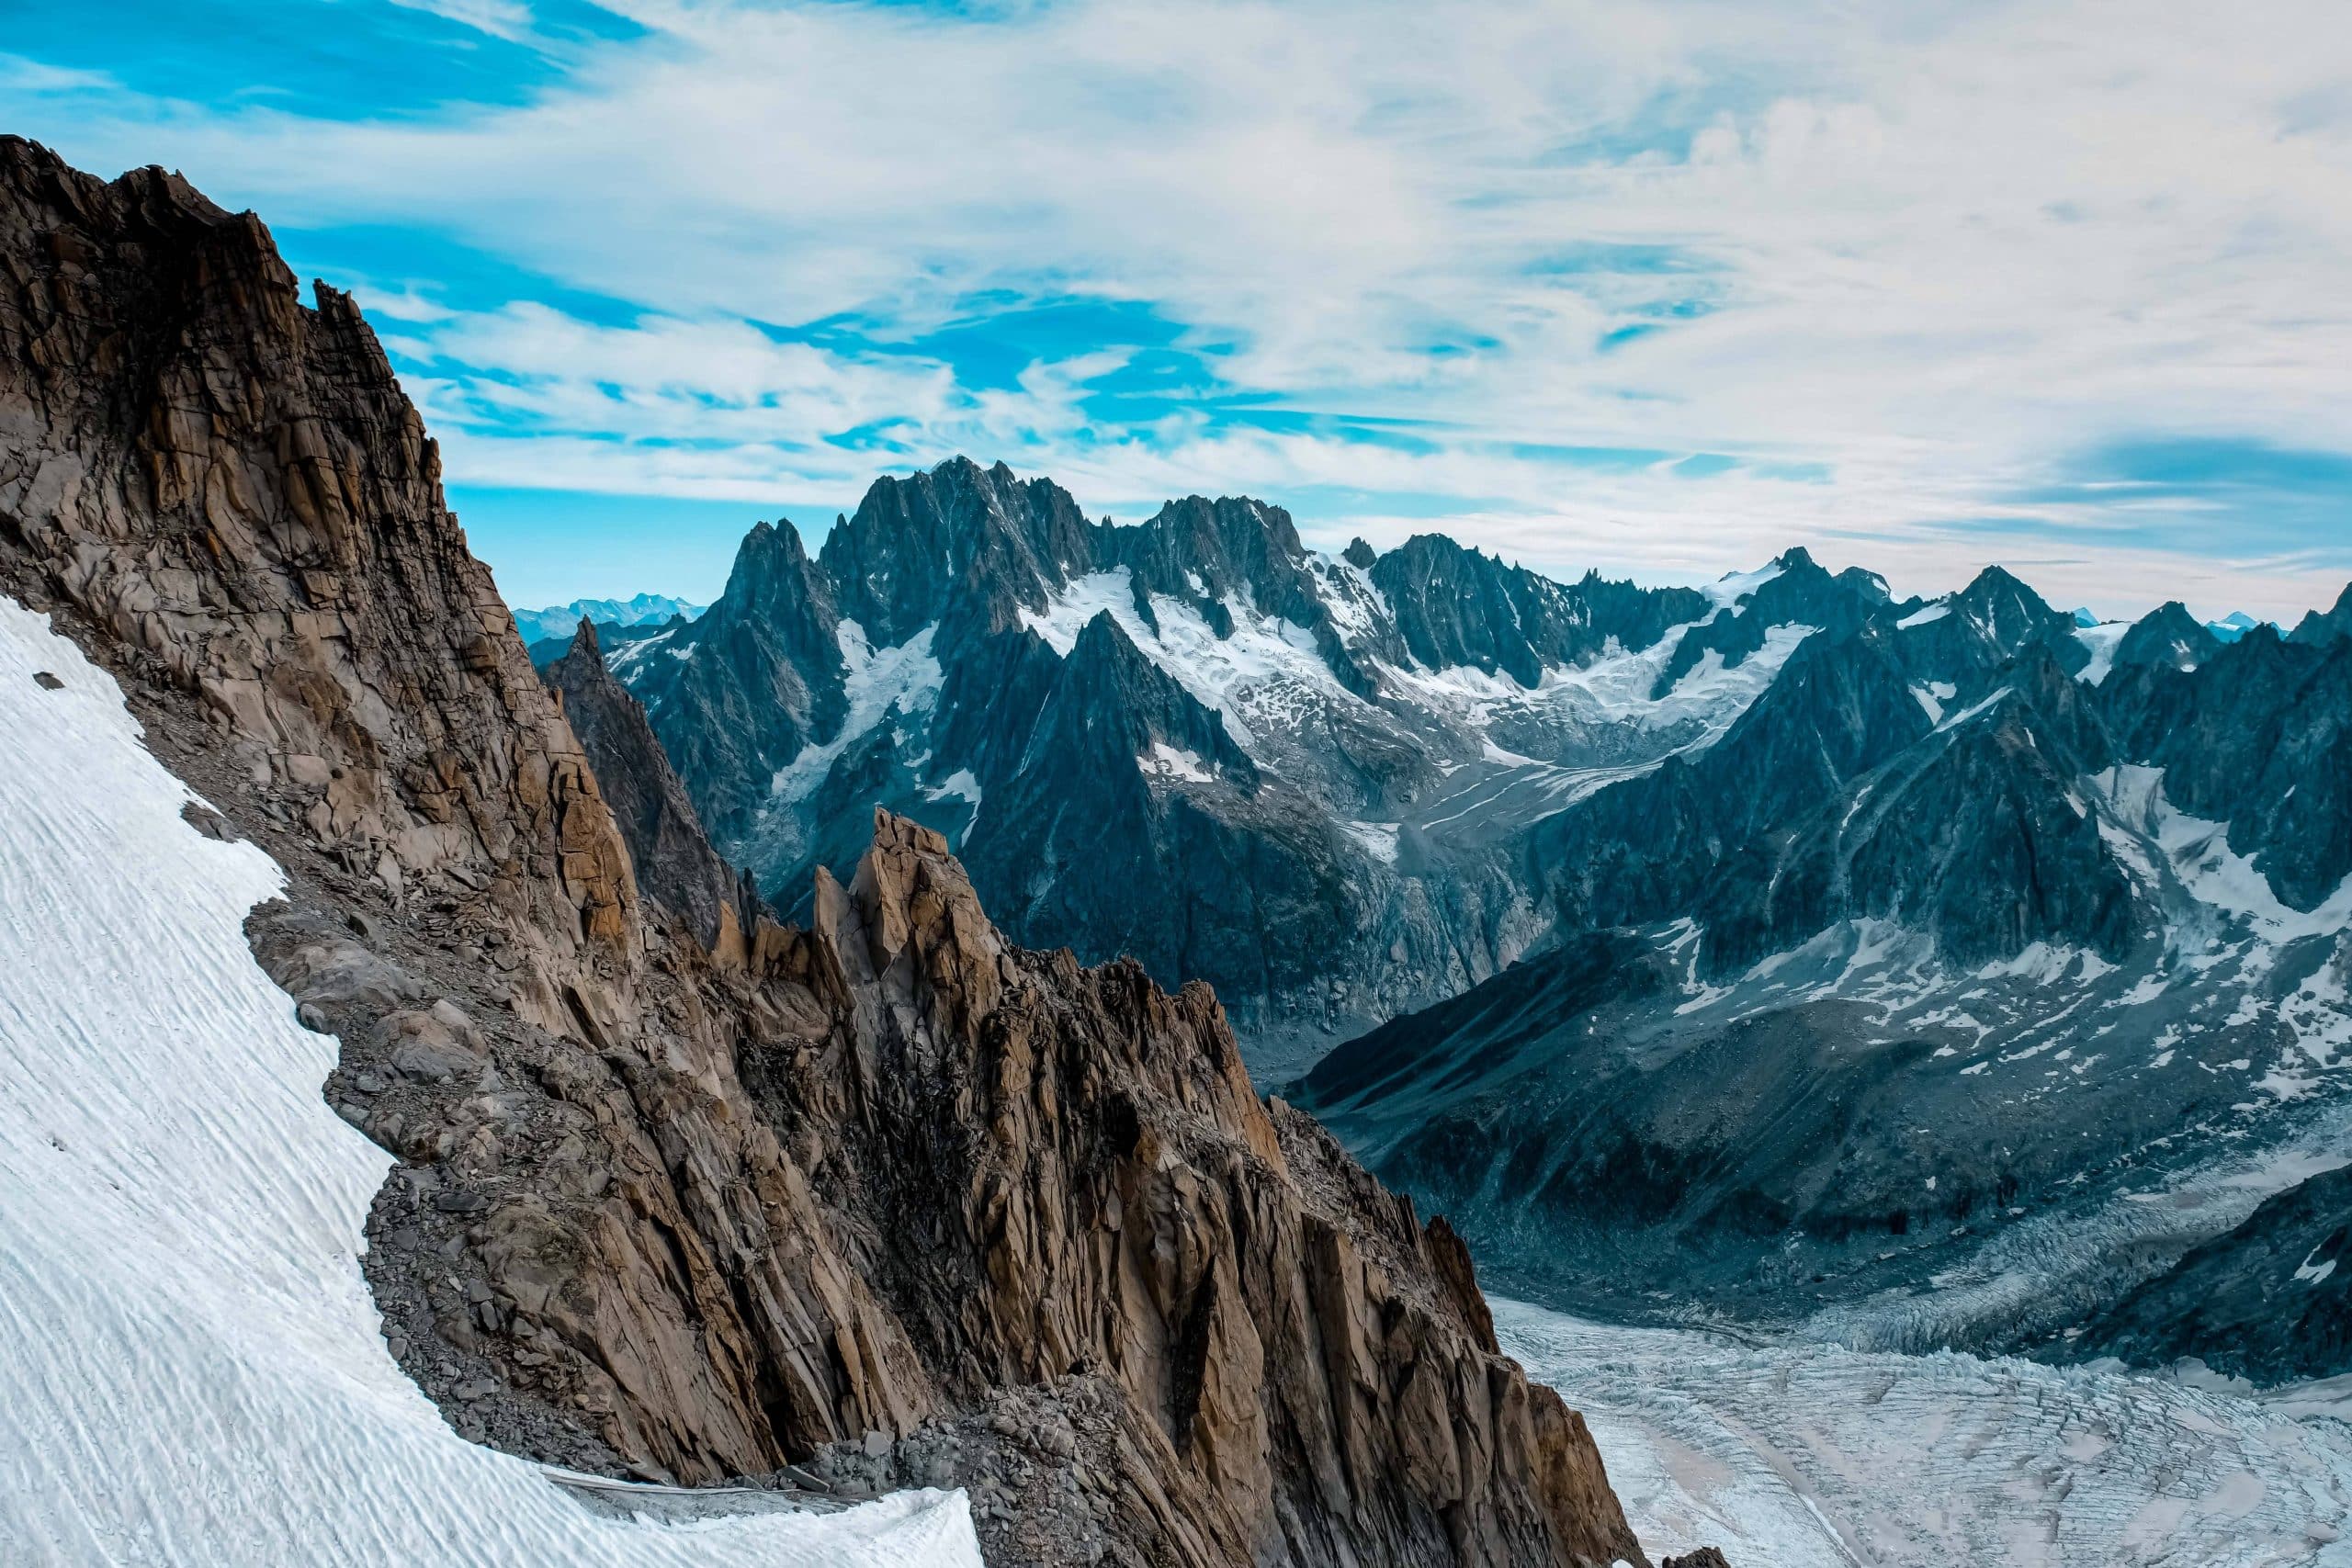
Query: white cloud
500 19
1939 249
21 75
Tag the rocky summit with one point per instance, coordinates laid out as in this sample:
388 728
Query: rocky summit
1191 740
875 1200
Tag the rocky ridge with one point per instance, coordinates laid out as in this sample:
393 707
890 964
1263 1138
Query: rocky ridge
827 1201
1316 760
669 852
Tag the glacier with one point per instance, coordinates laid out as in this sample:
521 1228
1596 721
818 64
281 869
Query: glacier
1807 1455
190 1360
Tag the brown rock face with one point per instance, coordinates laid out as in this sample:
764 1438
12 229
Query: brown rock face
886 1198
1117 1199
234 490
672 855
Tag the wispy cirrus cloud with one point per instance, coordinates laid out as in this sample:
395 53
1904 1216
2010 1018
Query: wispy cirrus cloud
1656 286
501 18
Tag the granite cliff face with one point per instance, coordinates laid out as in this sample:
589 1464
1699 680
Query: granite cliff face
881 1197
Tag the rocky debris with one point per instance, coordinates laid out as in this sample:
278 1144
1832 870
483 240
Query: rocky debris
206 821
46 681
1062 1474
1705 1557
676 1213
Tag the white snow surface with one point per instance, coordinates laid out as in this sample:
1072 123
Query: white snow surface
190 1363
1168 762
2198 855
1734 586
1811 1456
1262 677
1259 673
877 682
1379 838
1927 617
2101 640
1614 689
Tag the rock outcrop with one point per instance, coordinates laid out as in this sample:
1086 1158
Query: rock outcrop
672 855
885 1198
234 491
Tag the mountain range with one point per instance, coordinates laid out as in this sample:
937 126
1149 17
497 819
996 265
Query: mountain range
813 1039
1821 950
1191 739
1986 966
558 622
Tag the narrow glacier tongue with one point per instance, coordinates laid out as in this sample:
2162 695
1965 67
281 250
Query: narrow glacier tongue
1805 1455
190 1363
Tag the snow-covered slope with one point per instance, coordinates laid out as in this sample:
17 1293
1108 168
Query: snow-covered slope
1810 1456
190 1363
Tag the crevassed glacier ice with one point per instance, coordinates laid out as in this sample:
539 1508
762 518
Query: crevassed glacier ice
1805 1455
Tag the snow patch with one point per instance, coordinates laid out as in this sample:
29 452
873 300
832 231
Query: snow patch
1734 586
1167 761
1378 837
190 1360
2101 640
1265 657
1928 617
2198 855
905 679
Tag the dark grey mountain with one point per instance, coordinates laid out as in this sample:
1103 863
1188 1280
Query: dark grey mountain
1191 740
1989 969
672 858
2332 625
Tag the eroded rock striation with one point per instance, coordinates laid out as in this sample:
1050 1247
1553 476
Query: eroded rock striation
884 1199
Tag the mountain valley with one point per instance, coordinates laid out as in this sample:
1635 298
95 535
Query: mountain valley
1016 1037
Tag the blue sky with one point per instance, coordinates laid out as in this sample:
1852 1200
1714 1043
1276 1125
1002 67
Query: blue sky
1658 288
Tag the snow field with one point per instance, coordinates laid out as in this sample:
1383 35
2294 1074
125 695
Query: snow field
190 1363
